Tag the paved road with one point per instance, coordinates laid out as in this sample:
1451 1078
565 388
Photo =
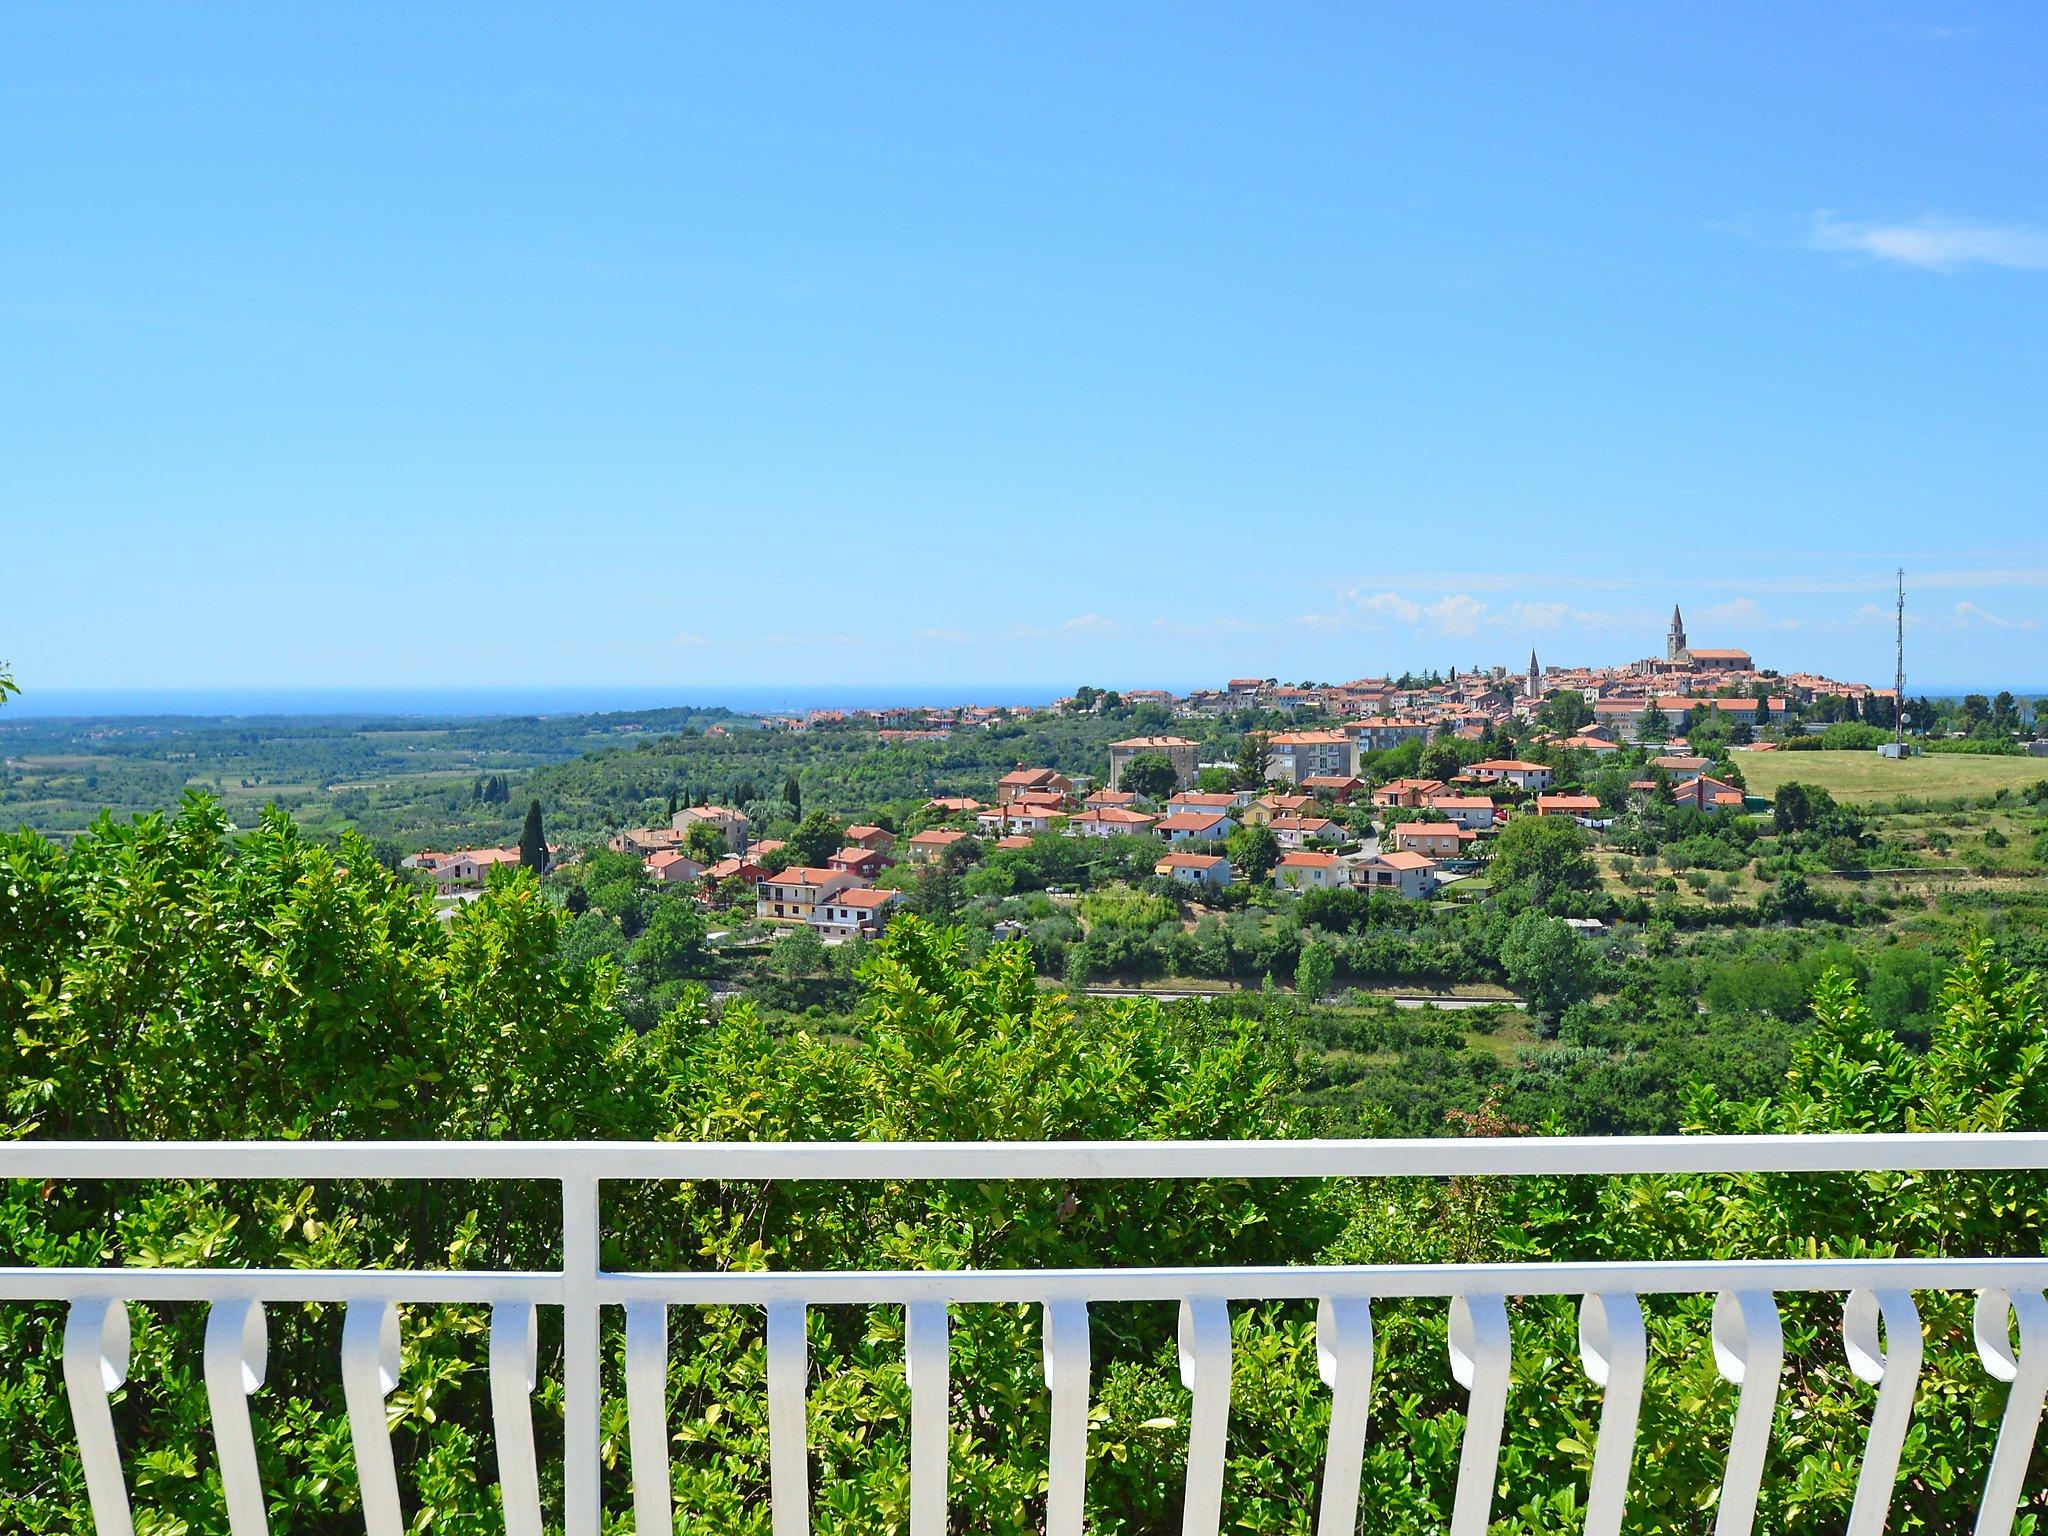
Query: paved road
1399 999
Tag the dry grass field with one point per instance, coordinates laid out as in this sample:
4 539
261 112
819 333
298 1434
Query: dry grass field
1865 778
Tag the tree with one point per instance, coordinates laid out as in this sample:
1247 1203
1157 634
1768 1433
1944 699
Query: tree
1546 962
704 842
793 792
1565 711
1543 859
1216 781
1253 754
1150 774
672 946
533 843
816 838
1655 725
1253 853
798 955
1316 969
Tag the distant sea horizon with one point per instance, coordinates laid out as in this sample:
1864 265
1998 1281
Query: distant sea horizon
566 699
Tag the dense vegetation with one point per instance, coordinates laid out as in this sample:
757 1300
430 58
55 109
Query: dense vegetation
168 979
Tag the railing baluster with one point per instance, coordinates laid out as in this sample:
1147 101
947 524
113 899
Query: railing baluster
1749 1350
1066 1378
237 1347
1614 1351
1344 1356
1205 1371
926 1364
647 1416
2027 1370
582 1490
1481 1358
369 1374
1891 1362
96 1344
515 1369
788 1432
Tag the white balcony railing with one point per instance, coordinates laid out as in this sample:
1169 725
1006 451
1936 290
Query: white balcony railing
1880 1323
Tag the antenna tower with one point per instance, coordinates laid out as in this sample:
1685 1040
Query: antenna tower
1899 672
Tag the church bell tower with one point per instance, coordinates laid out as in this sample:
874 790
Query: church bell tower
1674 644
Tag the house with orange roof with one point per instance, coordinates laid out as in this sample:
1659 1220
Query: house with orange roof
792 895
723 819
929 846
1017 816
1262 810
1407 793
1196 827
1433 839
1196 803
1014 841
853 860
862 835
953 805
1511 771
1583 807
1473 812
1376 733
1304 869
1110 821
734 868
858 912
1339 787
1295 831
672 868
1206 869
1403 873
1042 783
1708 794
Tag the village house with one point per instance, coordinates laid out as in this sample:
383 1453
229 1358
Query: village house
1014 841
1296 755
864 862
1017 816
642 841
929 846
734 868
790 897
1512 771
1110 821
1339 787
1407 794
1195 826
1101 799
1193 802
1175 749
1400 873
672 868
1682 768
1577 806
1300 831
952 805
1205 869
1708 794
468 868
860 911
1432 839
1262 810
861 835
1037 783
1303 869
727 822
1473 812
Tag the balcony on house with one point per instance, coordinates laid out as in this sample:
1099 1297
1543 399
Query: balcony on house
615 1324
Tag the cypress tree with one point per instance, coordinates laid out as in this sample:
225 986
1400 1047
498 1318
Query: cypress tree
533 844
793 792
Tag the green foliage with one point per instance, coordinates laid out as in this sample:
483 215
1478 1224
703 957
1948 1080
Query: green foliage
1315 971
533 842
1150 774
1545 861
1253 852
1546 962
816 838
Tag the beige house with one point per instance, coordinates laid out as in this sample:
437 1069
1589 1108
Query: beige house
792 895
730 824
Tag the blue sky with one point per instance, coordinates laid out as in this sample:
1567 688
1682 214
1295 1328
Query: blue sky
361 346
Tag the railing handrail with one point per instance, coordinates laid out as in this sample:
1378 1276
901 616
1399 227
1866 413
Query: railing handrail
1419 1157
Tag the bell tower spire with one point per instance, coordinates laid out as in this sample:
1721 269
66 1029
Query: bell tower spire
1675 648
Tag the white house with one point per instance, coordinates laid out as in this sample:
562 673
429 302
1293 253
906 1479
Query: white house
1194 868
1307 870
1472 812
1408 875
1300 831
1509 770
1195 827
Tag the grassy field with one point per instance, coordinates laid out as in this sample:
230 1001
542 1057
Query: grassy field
1864 777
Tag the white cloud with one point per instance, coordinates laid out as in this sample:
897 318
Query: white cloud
1935 244
1971 616
1090 624
1459 614
689 637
